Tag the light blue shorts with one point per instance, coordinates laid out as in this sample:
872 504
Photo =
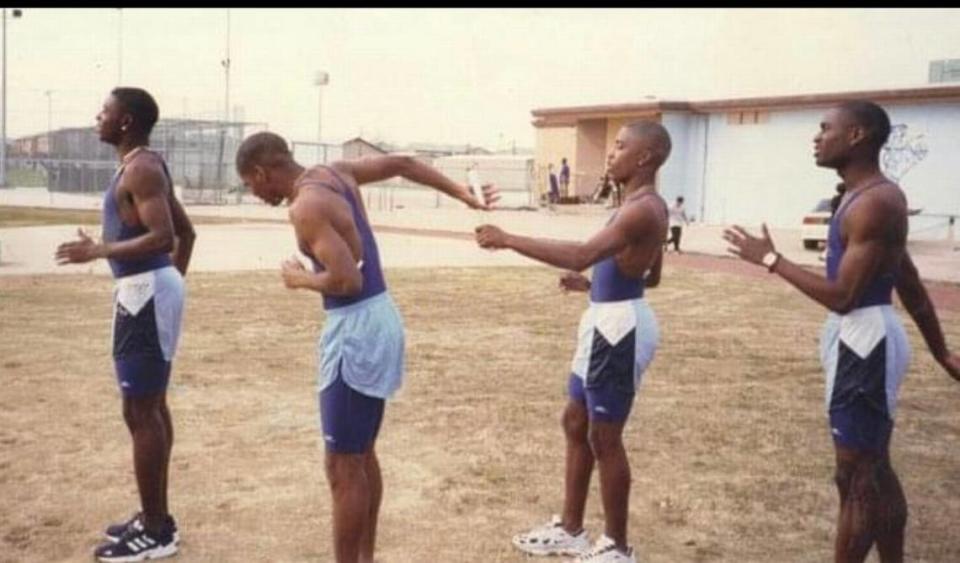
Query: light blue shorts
364 344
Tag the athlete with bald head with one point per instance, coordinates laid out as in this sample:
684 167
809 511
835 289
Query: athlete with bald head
617 338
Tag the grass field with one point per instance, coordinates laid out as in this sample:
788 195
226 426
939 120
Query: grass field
728 442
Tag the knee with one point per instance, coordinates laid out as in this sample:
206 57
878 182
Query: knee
843 477
575 424
138 413
604 443
340 468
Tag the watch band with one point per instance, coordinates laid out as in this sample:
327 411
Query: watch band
776 260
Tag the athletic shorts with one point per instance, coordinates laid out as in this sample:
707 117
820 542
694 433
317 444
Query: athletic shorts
616 342
350 419
361 357
147 313
865 354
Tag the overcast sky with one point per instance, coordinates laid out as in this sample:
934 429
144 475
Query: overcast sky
446 75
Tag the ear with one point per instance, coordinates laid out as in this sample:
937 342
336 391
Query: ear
644 158
856 134
126 122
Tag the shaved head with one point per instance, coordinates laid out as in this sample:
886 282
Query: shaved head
655 135
264 149
872 118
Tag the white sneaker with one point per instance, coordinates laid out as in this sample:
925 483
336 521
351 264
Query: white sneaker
552 539
605 551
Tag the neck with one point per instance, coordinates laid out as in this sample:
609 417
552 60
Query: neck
859 173
641 182
291 173
128 145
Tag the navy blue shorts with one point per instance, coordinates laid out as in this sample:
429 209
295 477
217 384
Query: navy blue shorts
606 401
350 419
861 426
148 308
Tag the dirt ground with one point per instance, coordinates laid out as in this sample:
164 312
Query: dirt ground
730 452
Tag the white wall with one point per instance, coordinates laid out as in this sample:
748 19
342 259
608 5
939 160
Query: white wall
766 171
682 175
933 184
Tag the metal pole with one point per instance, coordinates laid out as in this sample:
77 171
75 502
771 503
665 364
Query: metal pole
320 114
3 129
120 47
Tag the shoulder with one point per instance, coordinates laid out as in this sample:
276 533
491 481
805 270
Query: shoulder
644 209
315 204
144 173
876 209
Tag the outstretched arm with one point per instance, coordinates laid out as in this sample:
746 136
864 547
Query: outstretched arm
861 259
915 299
576 256
378 168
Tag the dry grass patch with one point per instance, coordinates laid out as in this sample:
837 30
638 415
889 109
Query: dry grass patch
728 442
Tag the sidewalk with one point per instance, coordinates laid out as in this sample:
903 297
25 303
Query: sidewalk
411 237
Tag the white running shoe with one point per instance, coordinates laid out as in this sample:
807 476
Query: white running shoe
552 539
605 551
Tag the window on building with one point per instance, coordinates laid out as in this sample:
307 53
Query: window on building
750 117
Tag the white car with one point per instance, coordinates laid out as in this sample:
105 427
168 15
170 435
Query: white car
815 225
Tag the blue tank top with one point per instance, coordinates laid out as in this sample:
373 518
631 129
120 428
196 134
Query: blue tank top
879 290
115 230
373 282
608 283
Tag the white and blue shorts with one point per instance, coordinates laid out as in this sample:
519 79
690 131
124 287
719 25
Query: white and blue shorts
865 355
147 314
361 359
616 342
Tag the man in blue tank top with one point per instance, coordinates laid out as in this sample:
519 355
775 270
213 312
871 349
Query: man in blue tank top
618 336
362 344
863 349
147 239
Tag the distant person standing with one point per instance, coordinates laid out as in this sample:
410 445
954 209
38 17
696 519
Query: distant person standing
835 200
834 205
678 218
565 176
554 195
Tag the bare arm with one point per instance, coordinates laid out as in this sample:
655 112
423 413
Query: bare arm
653 278
311 218
917 302
185 235
147 187
861 259
378 168
576 256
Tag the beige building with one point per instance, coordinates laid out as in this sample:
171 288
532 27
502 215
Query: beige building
748 160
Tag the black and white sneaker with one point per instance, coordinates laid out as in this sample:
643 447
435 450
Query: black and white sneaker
115 531
138 544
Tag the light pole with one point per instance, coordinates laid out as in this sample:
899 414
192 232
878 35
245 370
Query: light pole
320 79
49 95
119 46
3 91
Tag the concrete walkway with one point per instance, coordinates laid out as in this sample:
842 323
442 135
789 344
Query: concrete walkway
408 237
